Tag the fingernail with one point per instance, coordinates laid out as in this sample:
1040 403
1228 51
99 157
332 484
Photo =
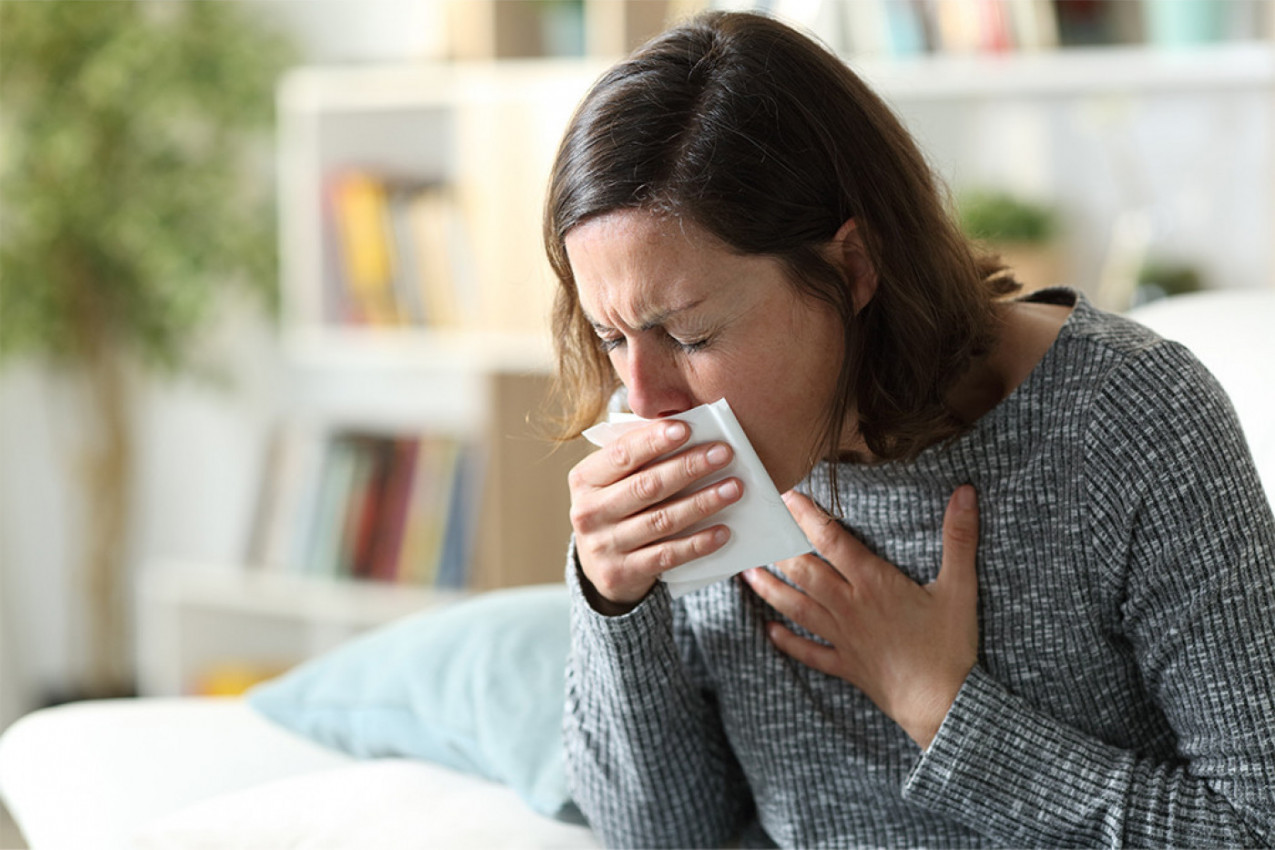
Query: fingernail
721 535
675 430
788 496
728 489
718 455
965 497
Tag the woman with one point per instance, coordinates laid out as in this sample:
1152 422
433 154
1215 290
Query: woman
1045 611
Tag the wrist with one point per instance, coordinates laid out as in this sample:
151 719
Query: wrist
924 723
603 605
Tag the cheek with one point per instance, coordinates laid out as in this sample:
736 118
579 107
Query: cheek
787 410
783 419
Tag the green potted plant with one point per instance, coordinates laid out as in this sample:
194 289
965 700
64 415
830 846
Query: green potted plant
129 208
1164 278
1024 233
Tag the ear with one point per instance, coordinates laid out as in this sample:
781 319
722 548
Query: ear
848 249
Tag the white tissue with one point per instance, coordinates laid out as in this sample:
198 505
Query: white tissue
761 529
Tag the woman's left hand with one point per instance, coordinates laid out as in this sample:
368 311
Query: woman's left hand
908 647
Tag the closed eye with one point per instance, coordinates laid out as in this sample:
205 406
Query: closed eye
691 346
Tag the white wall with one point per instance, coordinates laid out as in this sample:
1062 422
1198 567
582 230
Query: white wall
198 448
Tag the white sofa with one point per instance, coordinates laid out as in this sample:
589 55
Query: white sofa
198 774
202 773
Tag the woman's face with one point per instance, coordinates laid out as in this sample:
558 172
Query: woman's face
686 321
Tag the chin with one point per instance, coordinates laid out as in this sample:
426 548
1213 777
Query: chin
783 479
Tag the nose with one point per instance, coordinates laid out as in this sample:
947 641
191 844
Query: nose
655 382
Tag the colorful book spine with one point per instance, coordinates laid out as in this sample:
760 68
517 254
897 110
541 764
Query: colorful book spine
400 251
382 508
364 237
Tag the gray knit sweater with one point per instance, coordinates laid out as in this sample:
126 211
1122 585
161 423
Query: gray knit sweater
1125 687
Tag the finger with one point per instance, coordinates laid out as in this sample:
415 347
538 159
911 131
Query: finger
672 517
815 576
797 606
960 542
596 507
666 478
674 552
816 655
628 453
838 546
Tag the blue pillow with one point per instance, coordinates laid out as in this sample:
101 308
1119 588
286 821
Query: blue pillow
476 686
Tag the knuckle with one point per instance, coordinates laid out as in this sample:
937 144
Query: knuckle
798 571
660 522
827 534
698 545
666 558
595 553
799 609
692 464
618 453
706 501
581 517
644 486
614 543
576 479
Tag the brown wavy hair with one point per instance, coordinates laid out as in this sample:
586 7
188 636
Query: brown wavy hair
766 140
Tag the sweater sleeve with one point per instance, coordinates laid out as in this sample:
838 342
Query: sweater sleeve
647 760
1180 522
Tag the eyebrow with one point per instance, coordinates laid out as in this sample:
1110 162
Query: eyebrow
651 323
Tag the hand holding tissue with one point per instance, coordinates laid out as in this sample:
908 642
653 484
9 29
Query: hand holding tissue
762 530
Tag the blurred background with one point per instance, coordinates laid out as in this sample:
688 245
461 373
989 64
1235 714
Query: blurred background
273 330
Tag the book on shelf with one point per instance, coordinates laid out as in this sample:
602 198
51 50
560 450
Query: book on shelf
425 526
353 505
463 507
399 249
901 28
361 224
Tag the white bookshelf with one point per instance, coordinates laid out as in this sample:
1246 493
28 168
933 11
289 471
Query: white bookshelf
192 616
469 127
490 129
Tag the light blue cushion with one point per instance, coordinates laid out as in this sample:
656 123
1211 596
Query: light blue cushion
476 686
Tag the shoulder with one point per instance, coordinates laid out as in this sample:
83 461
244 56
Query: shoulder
1140 382
1147 412
1166 466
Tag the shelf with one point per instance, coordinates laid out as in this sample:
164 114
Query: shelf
403 380
1068 72
1057 72
304 599
413 349
373 88
196 617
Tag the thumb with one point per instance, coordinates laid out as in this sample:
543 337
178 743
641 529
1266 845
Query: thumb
960 543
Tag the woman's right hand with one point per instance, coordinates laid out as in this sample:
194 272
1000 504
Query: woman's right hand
627 526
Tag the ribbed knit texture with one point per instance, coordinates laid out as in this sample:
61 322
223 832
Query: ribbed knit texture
1125 688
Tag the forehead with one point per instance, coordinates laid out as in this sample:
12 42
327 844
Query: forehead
639 262
628 236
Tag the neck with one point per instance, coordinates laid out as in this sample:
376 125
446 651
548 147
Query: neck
1024 334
